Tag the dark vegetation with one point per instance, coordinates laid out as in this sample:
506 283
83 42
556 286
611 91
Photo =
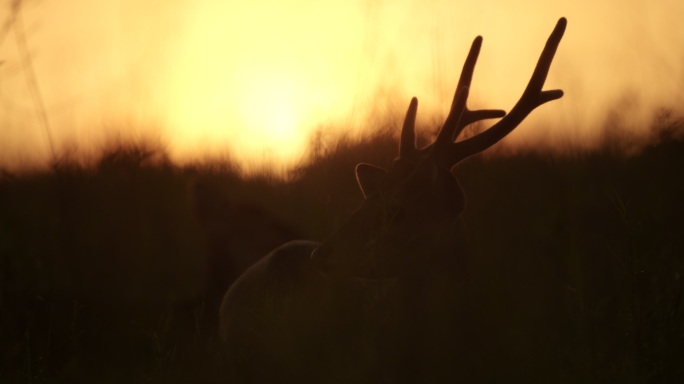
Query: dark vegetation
112 272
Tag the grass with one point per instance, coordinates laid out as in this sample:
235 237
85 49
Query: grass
111 270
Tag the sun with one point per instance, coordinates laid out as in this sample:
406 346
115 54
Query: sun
269 112
257 112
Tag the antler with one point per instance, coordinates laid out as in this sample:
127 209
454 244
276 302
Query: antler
449 152
454 123
457 119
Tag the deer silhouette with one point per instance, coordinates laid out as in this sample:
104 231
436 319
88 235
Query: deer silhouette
384 299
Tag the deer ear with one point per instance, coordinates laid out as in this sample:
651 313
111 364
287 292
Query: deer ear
369 178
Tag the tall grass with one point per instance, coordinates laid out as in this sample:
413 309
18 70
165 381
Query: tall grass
111 270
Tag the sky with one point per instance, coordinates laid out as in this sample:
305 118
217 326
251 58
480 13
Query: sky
255 79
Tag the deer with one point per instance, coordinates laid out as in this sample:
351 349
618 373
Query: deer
384 299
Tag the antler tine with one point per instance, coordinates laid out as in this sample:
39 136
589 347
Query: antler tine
407 145
532 97
441 144
459 118
468 117
451 127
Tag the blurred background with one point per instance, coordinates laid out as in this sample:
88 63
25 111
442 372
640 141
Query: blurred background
255 79
151 151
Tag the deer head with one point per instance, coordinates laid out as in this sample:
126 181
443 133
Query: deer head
410 210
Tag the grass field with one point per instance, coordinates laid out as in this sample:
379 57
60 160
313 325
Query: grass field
112 271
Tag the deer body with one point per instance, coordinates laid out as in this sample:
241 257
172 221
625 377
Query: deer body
384 299
289 323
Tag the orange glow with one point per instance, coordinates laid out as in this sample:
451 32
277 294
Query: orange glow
258 80
254 79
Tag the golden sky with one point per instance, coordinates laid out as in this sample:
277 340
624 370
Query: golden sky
256 77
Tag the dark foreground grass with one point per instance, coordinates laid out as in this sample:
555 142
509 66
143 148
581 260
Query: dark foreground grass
113 272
